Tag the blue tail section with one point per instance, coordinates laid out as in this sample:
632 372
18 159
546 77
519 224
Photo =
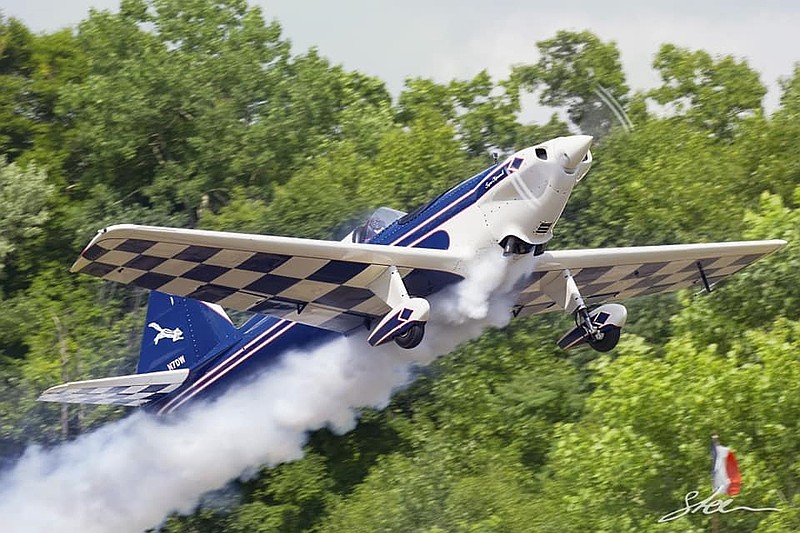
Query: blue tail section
181 333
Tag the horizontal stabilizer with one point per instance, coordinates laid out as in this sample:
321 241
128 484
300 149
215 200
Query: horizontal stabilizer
133 390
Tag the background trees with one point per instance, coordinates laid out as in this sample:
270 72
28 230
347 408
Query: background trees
200 114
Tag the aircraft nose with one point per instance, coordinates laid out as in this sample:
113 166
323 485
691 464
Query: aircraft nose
573 149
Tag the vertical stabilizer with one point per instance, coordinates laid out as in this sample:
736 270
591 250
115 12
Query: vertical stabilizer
179 333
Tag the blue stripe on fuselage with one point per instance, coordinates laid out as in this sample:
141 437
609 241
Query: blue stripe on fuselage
430 217
241 362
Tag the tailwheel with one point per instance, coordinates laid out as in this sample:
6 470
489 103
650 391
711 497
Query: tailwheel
607 340
411 337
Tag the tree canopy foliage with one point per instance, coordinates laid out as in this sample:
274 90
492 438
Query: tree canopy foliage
200 114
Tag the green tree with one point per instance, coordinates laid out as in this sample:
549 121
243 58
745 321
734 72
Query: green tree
663 183
774 144
581 73
414 163
646 432
24 194
714 94
16 68
62 328
483 113
760 294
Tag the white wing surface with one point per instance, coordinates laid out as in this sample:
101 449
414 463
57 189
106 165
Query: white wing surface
609 274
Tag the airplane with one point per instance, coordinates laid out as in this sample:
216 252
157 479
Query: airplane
378 278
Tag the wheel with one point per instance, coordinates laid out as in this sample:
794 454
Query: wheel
609 340
411 337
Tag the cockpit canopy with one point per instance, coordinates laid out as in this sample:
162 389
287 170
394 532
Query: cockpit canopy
376 223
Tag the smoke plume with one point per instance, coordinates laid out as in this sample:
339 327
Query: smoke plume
131 474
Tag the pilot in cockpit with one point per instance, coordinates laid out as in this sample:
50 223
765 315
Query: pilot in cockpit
376 223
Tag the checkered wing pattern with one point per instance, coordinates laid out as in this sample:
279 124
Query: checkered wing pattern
319 283
131 391
605 275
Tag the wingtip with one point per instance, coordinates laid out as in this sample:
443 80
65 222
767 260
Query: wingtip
50 394
776 244
79 263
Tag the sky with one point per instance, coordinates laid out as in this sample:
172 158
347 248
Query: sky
451 39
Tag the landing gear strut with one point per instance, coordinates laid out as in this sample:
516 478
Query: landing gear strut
600 328
583 320
405 323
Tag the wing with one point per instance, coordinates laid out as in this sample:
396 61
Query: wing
319 283
132 391
617 273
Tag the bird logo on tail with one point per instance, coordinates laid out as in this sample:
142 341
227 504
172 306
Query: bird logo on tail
165 333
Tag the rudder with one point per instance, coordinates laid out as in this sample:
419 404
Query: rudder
180 332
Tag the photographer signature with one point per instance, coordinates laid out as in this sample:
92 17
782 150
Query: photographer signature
708 506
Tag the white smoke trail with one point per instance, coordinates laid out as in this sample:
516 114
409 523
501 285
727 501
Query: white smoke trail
129 475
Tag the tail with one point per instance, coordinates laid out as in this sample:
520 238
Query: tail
180 333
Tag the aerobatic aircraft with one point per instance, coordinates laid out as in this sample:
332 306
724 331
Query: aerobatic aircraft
378 278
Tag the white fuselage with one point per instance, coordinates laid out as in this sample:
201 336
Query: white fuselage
524 196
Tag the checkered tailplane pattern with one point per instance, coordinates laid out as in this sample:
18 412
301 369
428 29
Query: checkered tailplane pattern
604 275
131 391
318 283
